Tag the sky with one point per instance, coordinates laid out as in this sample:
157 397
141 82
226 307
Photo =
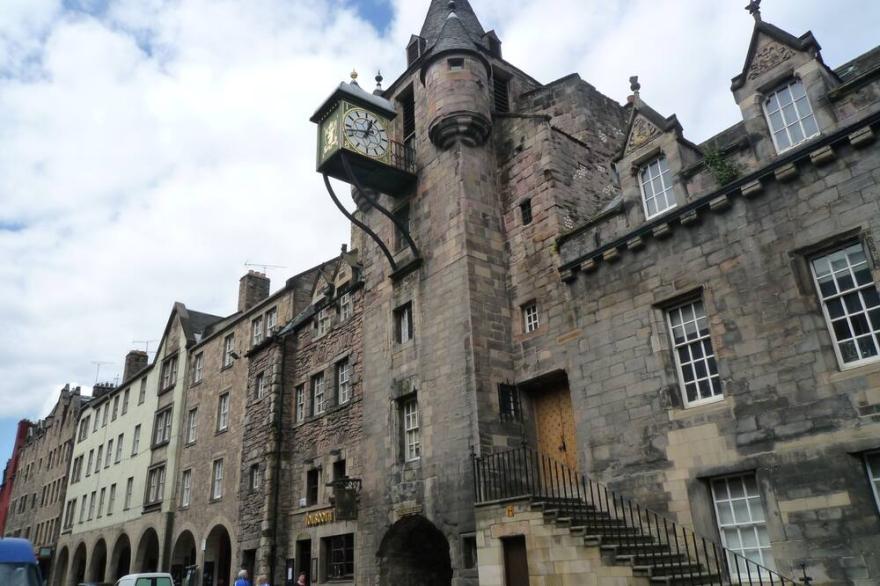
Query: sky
151 149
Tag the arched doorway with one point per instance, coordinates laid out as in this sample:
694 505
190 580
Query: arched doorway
59 574
183 556
218 557
147 558
414 553
78 566
98 562
120 560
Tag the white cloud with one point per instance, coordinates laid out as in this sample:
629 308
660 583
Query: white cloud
151 150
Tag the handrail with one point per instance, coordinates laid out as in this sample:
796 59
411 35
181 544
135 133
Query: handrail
652 540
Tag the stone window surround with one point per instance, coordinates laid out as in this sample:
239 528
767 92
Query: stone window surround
192 425
168 374
218 429
401 309
167 413
198 369
160 493
783 81
666 179
186 489
524 317
217 483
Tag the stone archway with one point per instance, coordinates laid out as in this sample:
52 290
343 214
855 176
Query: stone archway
414 553
78 566
183 556
120 559
147 558
59 574
218 557
98 562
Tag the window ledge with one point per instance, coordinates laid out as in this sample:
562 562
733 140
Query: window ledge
848 372
312 508
226 367
196 383
221 431
722 404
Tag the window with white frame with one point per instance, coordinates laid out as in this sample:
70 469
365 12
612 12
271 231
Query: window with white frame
101 502
260 385
198 368
656 183
109 458
111 501
403 323
155 485
255 480
82 511
99 458
142 394
169 373
790 116
136 440
223 412
191 425
83 429
106 414
694 355
129 489
323 322
346 306
850 303
300 400
125 396
343 381
531 319
318 394
872 461
162 427
741 521
411 434
119 448
257 330
115 408
92 499
217 480
186 488
271 321
228 350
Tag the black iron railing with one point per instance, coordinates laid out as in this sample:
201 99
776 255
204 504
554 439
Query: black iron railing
403 156
649 541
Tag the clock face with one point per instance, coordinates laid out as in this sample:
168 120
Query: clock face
366 133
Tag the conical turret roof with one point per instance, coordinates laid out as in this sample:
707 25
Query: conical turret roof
438 14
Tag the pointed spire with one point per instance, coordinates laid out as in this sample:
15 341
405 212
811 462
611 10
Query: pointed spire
440 11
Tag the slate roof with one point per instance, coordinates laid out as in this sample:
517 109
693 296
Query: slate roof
453 36
859 66
438 14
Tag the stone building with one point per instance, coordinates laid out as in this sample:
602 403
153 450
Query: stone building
10 471
38 490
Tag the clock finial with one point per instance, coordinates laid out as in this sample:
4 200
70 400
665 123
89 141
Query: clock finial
379 80
754 9
354 77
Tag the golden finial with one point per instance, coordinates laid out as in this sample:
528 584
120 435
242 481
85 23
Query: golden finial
354 75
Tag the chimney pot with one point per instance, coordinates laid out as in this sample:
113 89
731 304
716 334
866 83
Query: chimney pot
135 361
252 289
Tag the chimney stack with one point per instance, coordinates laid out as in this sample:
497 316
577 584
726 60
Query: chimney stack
101 389
252 289
135 361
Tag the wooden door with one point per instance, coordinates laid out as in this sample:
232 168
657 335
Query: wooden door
516 562
555 425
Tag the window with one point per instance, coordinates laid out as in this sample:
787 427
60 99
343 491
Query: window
198 368
412 437
501 94
90 462
109 458
143 392
531 319
111 501
119 447
69 514
469 551
346 307
223 412
162 428
228 350
340 557
694 356
106 414
257 330
300 403
741 521
339 471
850 303
343 381
136 440
403 324
186 488
408 103
313 480
525 210
99 459
129 487
115 408
790 116
872 461
84 429
508 403
323 323
456 64
318 394
261 386
271 321
125 401
169 373
402 216
82 511
191 425
217 480
656 185
255 480
155 485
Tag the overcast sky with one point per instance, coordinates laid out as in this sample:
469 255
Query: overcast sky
150 148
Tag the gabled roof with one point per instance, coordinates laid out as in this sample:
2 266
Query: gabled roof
805 43
670 124
438 14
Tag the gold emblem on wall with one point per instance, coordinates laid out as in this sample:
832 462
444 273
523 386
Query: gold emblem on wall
320 518
330 134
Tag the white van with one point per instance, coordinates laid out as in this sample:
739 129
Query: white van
146 580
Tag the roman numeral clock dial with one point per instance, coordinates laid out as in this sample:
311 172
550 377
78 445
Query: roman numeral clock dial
366 133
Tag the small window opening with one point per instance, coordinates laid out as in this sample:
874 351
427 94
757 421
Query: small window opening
525 209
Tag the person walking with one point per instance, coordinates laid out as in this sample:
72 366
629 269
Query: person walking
243 579
262 580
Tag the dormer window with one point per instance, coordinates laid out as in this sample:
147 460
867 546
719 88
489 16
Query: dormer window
656 183
790 116
414 50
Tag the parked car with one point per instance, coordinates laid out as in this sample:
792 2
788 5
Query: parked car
145 580
18 565
95 584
